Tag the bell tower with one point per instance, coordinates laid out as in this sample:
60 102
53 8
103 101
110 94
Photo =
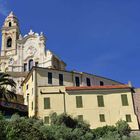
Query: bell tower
10 35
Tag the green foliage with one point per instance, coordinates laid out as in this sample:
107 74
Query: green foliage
23 129
105 131
3 124
123 128
62 127
6 82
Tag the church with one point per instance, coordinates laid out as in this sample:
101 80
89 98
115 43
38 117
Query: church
19 53
47 86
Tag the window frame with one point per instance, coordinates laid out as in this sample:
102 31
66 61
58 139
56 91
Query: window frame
102 117
77 81
124 100
48 105
100 101
88 81
50 78
46 119
79 102
61 79
80 117
128 118
101 83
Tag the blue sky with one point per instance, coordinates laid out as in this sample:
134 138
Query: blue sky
95 36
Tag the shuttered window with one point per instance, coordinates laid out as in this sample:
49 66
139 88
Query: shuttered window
46 103
124 100
80 117
79 103
49 78
46 119
102 117
32 105
128 118
100 100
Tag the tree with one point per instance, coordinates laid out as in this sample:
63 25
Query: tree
5 85
123 128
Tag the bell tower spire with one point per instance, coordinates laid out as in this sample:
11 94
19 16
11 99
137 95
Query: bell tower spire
10 34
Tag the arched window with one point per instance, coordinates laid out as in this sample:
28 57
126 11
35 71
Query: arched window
10 24
9 42
30 64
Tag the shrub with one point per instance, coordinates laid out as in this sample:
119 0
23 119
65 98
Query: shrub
123 128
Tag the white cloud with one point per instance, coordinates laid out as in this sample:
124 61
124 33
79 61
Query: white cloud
4 10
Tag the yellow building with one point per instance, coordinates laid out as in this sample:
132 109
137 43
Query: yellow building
97 100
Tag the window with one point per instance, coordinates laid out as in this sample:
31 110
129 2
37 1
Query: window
9 42
27 86
27 99
77 81
101 83
128 118
100 101
46 119
88 82
10 24
30 64
102 117
32 105
124 100
36 64
49 78
61 79
47 103
25 66
32 76
80 117
79 103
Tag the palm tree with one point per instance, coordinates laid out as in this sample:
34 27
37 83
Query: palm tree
5 85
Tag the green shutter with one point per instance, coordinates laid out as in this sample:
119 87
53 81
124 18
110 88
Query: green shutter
102 117
46 103
128 118
124 100
32 105
100 101
46 119
79 102
80 117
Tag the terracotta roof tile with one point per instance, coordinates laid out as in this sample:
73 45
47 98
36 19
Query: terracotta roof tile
97 87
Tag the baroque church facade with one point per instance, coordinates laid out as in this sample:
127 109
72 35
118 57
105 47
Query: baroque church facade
20 53
46 86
